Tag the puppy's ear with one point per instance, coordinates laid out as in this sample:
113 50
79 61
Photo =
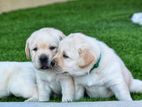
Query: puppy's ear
86 58
27 50
61 36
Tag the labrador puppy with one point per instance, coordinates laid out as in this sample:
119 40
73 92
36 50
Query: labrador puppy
137 18
41 46
95 67
18 78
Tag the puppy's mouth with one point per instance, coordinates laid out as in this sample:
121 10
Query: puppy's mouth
44 67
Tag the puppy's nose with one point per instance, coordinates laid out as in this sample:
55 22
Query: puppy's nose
43 59
53 63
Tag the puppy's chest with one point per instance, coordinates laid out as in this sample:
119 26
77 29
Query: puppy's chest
51 80
91 80
54 86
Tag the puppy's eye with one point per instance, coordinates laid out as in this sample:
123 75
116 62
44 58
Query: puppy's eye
65 56
35 49
52 47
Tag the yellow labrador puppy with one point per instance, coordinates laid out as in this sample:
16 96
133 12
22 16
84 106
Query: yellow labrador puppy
18 78
41 46
95 68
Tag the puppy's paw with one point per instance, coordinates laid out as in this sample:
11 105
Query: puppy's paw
43 99
67 99
32 100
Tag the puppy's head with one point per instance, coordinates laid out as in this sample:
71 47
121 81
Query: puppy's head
76 54
42 45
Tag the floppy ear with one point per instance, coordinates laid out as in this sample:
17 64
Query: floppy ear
62 36
27 50
86 58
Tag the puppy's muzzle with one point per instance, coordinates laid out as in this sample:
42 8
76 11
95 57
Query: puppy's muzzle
43 59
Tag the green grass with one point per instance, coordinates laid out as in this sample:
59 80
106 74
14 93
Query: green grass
107 20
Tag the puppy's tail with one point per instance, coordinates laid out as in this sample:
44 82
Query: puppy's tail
136 86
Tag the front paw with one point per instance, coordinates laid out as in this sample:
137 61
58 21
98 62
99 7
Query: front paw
67 99
43 99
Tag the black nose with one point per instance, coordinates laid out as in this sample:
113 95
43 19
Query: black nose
43 59
53 63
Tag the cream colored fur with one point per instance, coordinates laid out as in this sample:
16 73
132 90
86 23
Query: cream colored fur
111 77
41 42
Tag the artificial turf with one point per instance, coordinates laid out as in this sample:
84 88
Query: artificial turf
107 20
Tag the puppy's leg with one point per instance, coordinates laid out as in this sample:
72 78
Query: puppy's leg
136 86
4 91
25 88
44 90
34 96
98 92
79 92
67 86
121 91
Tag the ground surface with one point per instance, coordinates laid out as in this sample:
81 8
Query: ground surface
8 5
107 20
74 104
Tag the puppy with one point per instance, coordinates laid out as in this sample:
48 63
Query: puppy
41 46
95 67
137 18
18 78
